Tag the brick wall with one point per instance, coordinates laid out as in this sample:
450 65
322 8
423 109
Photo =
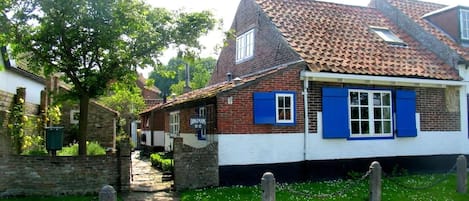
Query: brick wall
270 49
237 118
431 104
44 175
100 124
195 168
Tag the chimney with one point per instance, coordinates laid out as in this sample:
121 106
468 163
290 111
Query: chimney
229 77
187 88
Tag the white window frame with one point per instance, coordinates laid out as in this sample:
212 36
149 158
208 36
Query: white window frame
245 46
279 108
371 119
74 116
464 22
388 36
174 123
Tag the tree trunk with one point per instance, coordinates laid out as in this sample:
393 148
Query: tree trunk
83 125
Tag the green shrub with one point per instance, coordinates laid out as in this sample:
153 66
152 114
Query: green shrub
92 149
161 161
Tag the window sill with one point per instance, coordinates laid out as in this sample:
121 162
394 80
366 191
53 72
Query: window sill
371 138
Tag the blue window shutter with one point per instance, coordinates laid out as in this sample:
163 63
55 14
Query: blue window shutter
405 114
335 121
264 108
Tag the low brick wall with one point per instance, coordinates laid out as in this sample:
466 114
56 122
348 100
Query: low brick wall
44 175
195 168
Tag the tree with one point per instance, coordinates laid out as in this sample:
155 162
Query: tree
125 97
93 43
171 78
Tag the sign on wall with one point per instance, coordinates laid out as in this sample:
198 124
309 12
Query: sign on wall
198 122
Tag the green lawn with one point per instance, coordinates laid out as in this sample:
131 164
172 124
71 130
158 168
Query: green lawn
355 191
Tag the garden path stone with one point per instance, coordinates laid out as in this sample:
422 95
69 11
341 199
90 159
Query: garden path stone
146 182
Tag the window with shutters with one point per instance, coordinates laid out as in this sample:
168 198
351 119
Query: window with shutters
277 108
370 113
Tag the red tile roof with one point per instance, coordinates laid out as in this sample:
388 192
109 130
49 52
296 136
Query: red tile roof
417 9
213 90
337 38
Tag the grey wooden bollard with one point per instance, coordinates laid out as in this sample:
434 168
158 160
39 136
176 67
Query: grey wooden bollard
268 187
461 174
375 181
107 193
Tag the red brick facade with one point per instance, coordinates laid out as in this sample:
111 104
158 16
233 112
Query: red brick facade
270 49
237 118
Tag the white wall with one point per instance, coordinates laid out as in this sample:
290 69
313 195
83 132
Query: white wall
10 81
158 138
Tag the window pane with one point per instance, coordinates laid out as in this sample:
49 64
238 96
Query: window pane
355 127
365 127
377 99
378 128
287 101
387 126
354 98
377 113
364 113
281 103
363 98
287 114
354 113
386 113
281 114
386 99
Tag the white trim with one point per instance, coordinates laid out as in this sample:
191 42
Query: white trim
464 24
174 123
292 108
378 80
245 46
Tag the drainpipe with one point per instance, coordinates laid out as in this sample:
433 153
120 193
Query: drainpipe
306 119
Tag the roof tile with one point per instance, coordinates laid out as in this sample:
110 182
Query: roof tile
337 38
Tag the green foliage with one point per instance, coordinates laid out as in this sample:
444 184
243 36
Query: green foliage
124 97
357 192
93 149
33 140
16 121
171 78
162 161
94 43
54 114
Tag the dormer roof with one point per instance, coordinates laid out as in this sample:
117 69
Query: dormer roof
422 13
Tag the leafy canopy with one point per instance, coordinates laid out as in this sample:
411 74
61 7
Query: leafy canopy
93 43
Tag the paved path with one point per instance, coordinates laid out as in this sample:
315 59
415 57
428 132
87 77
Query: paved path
146 184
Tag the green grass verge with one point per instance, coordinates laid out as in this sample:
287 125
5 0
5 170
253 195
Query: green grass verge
353 191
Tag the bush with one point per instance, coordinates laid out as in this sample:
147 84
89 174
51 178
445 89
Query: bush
161 161
92 149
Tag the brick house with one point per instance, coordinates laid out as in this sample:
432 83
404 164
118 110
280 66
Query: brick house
321 89
151 95
102 120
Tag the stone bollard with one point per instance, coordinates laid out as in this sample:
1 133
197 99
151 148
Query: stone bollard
107 193
461 174
268 187
375 181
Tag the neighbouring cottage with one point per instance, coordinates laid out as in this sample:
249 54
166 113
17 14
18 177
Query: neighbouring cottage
311 89
102 120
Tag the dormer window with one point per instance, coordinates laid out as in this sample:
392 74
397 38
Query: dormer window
464 18
388 36
245 46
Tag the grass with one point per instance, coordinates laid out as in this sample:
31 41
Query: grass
353 191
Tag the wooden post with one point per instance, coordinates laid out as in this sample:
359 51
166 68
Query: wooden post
268 187
375 181
461 173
